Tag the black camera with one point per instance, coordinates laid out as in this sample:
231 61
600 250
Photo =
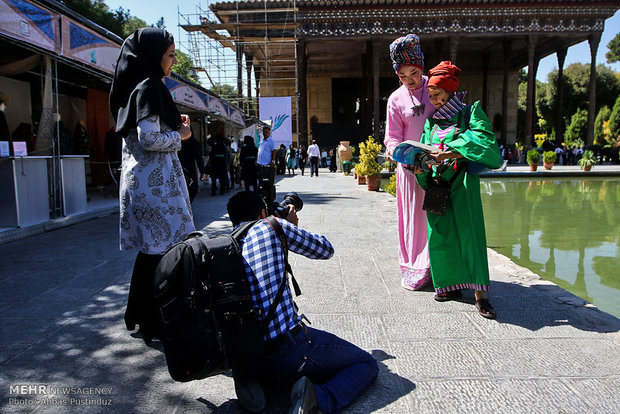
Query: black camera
281 209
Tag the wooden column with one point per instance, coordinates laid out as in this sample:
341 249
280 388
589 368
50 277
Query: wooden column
239 52
594 40
376 110
531 98
507 68
454 48
301 95
559 87
257 83
248 73
485 80
368 90
437 52
534 112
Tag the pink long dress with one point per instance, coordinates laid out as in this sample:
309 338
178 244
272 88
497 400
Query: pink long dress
405 121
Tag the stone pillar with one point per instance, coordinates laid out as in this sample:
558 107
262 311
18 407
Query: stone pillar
376 110
594 40
507 68
531 90
301 93
454 48
559 87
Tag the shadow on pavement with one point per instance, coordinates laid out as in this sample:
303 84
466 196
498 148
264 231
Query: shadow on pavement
541 306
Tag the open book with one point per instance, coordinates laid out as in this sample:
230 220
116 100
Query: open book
406 151
412 152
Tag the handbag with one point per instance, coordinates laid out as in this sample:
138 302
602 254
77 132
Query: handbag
437 194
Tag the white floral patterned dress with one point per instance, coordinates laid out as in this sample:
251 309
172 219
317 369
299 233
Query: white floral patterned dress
155 210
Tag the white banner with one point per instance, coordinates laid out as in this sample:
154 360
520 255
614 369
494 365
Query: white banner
276 111
252 131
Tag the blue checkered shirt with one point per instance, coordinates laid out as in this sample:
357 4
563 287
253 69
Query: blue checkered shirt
265 266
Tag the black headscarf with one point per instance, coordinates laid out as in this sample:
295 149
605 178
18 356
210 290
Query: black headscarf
137 90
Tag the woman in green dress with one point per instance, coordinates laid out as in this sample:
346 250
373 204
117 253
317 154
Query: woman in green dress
464 140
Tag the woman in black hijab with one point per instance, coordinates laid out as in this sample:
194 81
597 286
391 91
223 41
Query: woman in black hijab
155 208
247 158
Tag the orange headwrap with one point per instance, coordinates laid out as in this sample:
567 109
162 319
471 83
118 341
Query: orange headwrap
444 76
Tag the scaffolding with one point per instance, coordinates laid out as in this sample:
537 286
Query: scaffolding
243 53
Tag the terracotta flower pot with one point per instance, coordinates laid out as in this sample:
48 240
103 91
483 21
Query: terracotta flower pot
373 182
533 167
361 179
587 167
548 165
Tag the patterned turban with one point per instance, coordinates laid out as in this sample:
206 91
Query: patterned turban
444 76
406 51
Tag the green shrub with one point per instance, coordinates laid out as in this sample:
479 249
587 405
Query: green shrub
549 157
391 186
533 157
369 151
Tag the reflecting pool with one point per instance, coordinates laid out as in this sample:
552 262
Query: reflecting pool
566 230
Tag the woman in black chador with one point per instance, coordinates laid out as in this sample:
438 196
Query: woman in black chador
247 158
155 210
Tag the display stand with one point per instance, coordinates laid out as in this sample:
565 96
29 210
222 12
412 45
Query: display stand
24 198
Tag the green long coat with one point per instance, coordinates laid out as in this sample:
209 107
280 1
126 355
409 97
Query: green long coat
457 241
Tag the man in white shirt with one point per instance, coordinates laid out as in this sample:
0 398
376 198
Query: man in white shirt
266 160
314 153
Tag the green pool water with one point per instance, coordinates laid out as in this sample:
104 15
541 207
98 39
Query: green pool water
565 230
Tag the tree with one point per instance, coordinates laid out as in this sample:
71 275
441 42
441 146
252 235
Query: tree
614 120
185 67
577 131
133 24
601 136
576 93
614 50
99 12
224 90
119 22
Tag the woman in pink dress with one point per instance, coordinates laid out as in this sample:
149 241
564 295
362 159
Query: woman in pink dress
407 110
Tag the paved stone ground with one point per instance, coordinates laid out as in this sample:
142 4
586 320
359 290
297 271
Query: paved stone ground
64 291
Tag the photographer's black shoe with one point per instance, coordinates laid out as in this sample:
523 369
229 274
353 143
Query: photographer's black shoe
249 393
303 397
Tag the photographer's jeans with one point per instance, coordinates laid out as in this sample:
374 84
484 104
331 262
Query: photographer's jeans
340 370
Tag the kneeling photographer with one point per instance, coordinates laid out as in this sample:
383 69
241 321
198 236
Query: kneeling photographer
328 372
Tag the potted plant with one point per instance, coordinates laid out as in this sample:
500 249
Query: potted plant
587 160
549 158
360 174
369 151
389 165
533 157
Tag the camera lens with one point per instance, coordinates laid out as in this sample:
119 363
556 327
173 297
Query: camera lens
293 199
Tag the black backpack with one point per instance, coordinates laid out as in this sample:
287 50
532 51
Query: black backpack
207 320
